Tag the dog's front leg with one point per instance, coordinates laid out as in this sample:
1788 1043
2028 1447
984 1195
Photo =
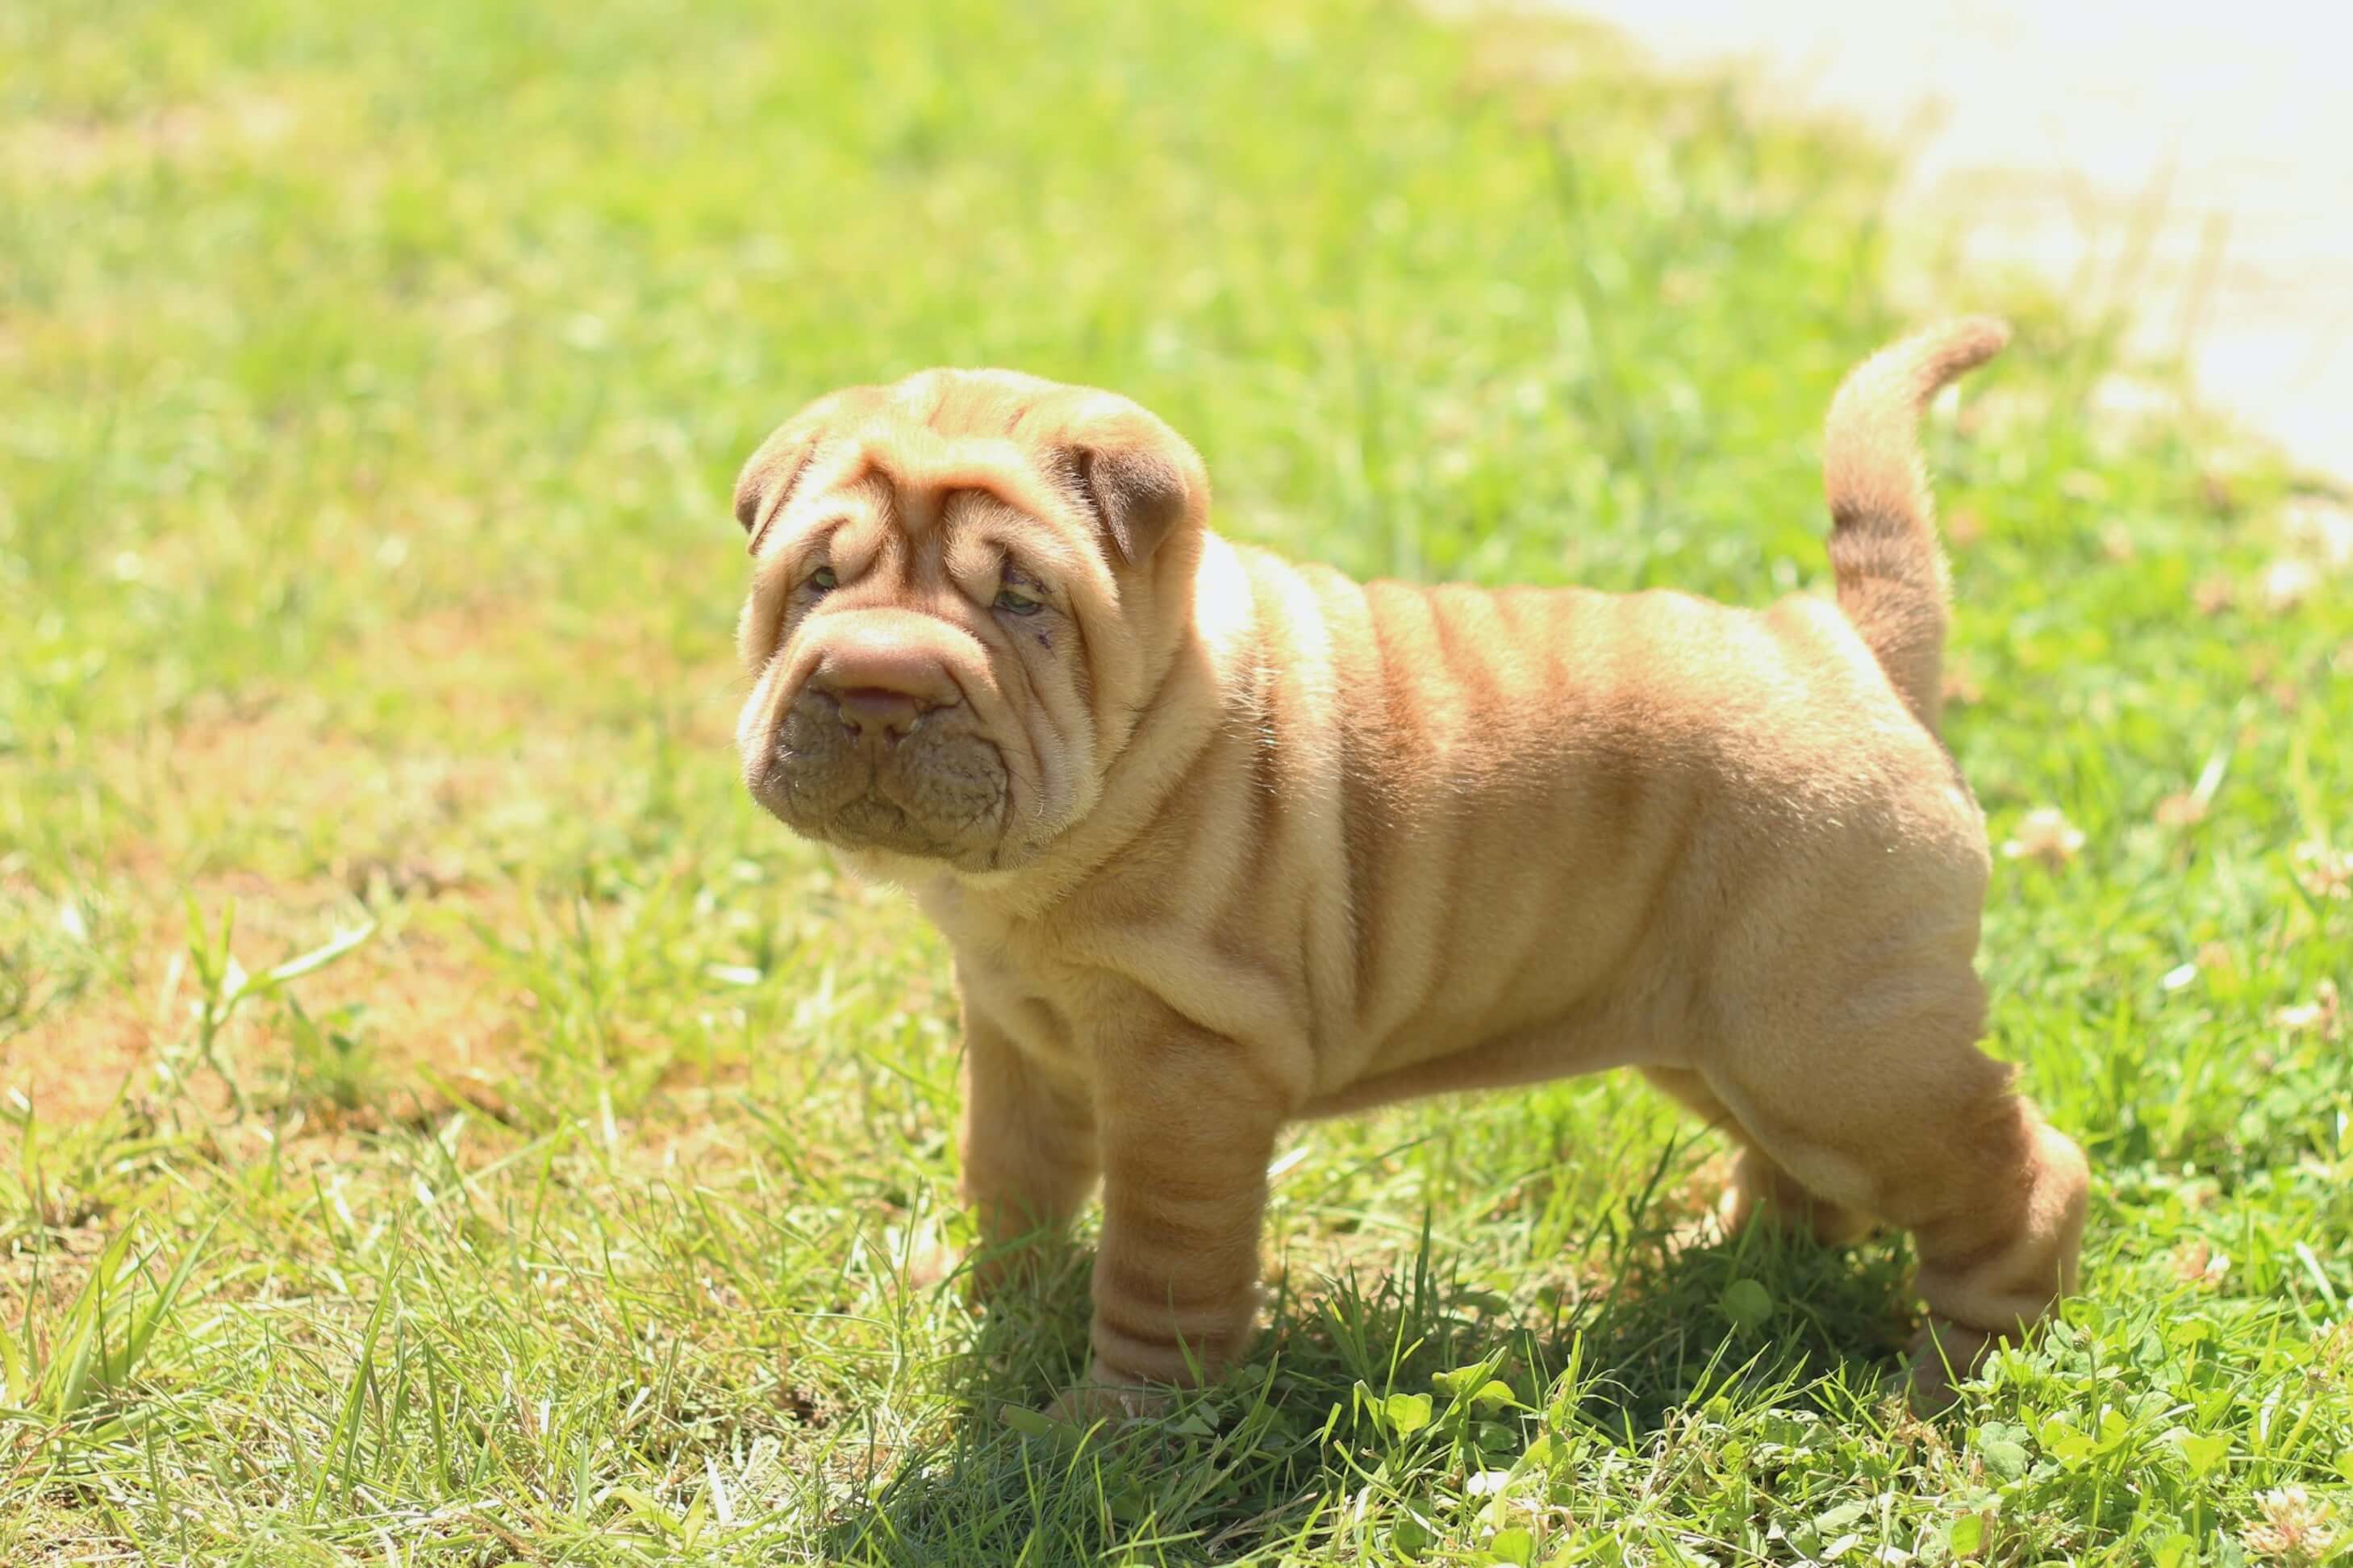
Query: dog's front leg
1029 1151
1187 1122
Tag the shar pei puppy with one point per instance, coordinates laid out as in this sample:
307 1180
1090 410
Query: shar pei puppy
1220 841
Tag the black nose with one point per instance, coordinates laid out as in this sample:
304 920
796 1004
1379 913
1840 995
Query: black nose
878 712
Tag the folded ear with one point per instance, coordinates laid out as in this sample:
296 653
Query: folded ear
1140 491
769 477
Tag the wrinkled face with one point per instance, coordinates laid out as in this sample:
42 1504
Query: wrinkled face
959 592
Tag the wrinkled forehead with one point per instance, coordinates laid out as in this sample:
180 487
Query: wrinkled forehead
883 475
941 447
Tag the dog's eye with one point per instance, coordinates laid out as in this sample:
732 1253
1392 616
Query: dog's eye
823 580
1015 604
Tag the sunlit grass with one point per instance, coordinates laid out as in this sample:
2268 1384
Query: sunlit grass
376 375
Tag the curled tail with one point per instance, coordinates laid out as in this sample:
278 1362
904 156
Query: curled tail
1892 580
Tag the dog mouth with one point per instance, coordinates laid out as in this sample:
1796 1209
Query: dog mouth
871 821
934 793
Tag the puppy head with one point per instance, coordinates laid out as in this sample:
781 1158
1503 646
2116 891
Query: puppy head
963 586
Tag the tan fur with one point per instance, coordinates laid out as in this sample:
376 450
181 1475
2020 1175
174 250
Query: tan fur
1892 580
1222 841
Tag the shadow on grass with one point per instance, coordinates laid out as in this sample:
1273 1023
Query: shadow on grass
1269 1458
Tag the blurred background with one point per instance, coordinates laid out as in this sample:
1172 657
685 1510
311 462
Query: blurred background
2182 164
442 1119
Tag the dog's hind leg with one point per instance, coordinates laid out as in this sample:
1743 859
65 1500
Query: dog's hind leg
1759 1189
1876 1097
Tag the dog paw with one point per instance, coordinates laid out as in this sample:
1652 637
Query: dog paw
982 1274
1709 1228
1096 1400
1944 1356
932 1264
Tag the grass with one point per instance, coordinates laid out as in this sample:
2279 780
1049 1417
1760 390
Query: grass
446 1123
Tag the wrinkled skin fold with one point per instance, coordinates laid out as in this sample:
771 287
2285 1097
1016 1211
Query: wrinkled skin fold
1220 842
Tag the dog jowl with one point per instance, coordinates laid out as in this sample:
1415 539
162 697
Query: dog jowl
1220 841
